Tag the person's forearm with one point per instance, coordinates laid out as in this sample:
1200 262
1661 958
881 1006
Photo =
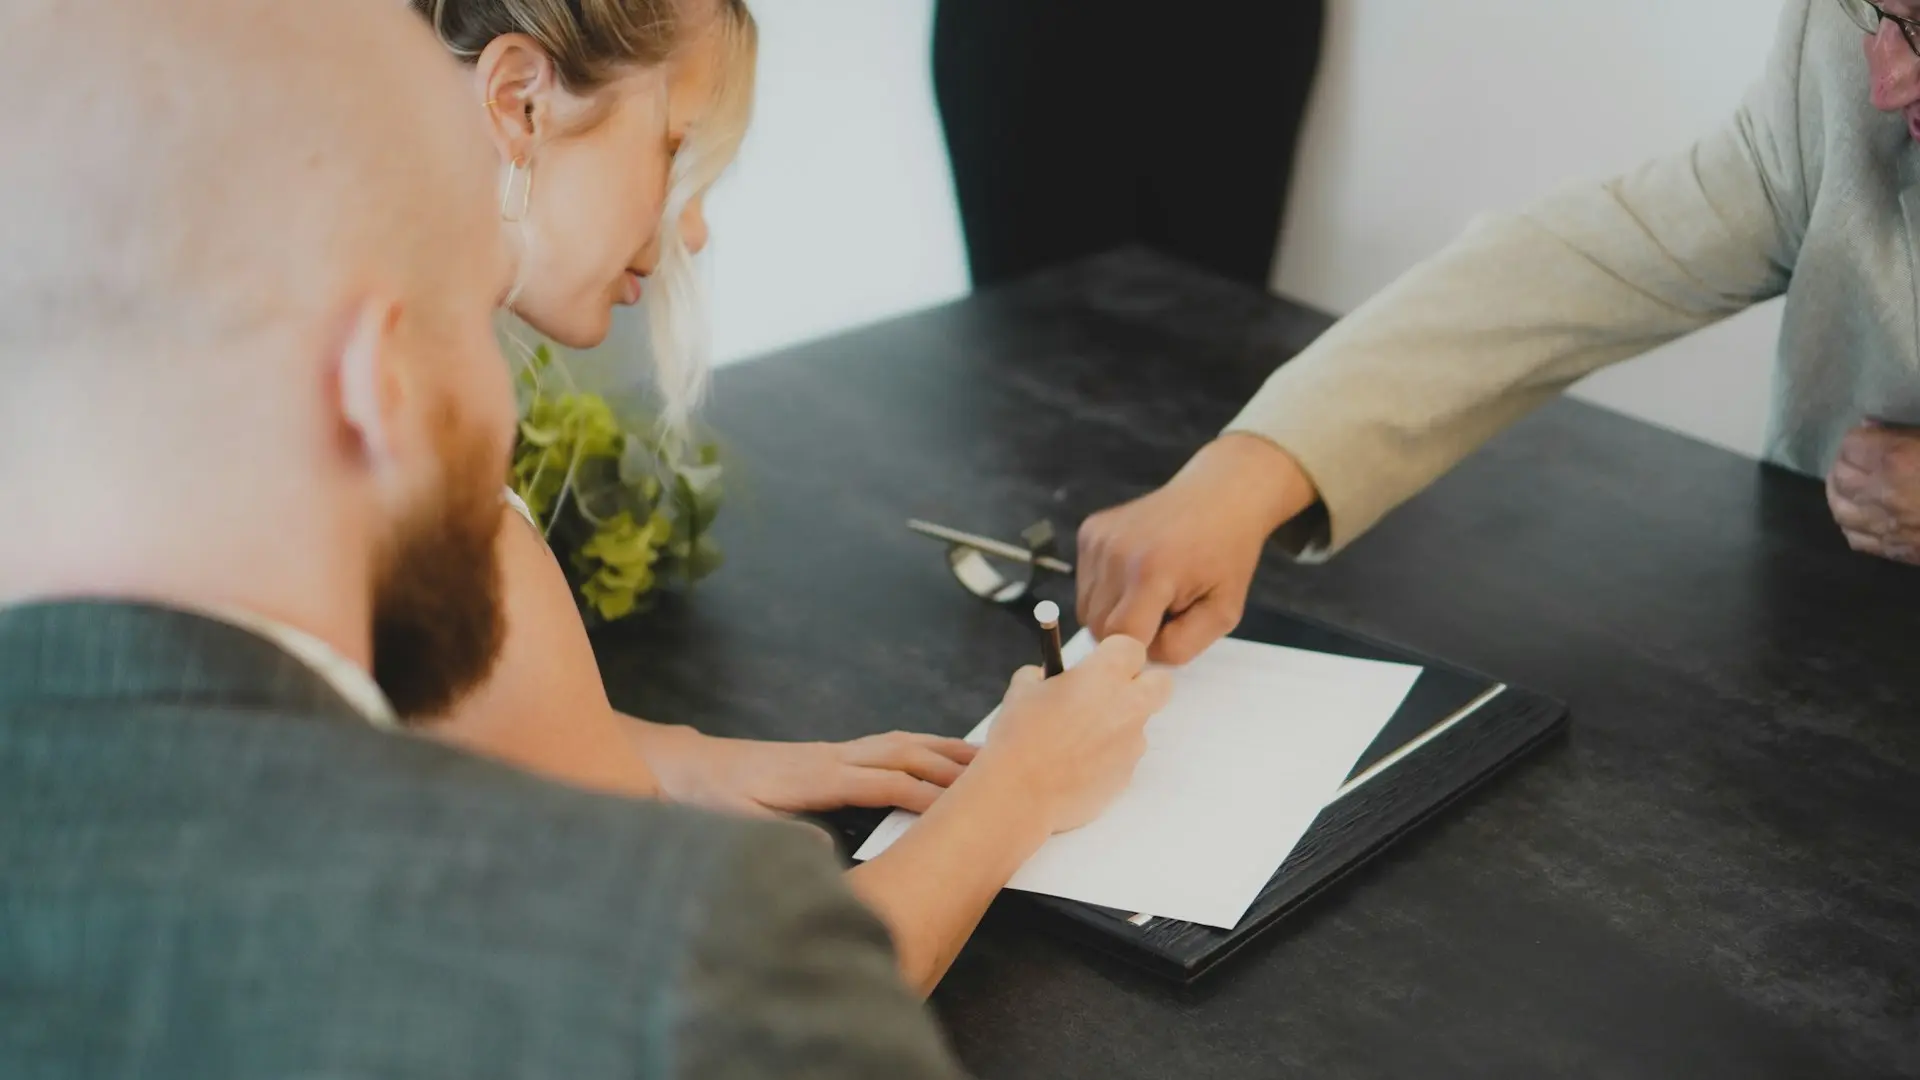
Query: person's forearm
655 738
593 749
934 884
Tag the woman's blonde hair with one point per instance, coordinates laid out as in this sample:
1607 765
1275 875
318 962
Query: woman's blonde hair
589 41
593 41
678 324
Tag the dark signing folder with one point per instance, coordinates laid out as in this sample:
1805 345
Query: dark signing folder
1455 731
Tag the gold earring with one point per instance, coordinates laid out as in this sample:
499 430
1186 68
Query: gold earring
520 168
491 102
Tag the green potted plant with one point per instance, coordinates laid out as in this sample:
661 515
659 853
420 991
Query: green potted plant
626 509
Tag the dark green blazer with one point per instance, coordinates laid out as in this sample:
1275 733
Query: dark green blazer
212 867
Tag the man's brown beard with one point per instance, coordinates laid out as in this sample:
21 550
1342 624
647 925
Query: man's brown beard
437 619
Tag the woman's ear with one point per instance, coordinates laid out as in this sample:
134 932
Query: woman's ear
520 84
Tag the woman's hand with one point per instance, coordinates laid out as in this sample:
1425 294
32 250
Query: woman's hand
1059 750
1066 746
740 776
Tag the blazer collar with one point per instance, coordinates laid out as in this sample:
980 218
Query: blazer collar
123 652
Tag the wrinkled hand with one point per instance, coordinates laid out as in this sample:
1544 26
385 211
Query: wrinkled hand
1874 491
1173 568
1070 743
765 778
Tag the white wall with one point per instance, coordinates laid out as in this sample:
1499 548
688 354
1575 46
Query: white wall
840 210
1426 114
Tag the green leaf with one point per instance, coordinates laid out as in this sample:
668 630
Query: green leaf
635 579
534 366
703 560
609 603
699 499
701 479
537 434
659 529
639 464
622 512
592 426
622 543
704 514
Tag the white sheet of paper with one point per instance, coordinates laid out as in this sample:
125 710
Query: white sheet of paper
1254 743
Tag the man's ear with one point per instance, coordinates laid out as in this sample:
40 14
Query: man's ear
372 388
520 87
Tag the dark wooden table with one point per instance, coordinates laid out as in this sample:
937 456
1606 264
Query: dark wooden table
1716 874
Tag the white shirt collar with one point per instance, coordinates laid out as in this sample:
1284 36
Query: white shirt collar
348 679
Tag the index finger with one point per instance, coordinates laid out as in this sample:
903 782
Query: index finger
1118 656
959 750
1141 610
1194 630
1093 579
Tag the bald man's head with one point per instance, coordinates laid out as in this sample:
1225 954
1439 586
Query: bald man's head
189 166
250 247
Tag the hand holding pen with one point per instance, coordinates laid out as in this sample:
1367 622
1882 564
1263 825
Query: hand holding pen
1069 744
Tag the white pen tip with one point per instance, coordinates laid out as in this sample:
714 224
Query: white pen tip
1047 612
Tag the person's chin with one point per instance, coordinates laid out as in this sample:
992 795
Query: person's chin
585 330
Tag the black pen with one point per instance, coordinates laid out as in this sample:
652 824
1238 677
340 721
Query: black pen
1047 614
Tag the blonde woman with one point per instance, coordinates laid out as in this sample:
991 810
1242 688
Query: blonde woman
612 117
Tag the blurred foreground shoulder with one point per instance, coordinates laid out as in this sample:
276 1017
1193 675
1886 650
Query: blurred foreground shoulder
788 975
